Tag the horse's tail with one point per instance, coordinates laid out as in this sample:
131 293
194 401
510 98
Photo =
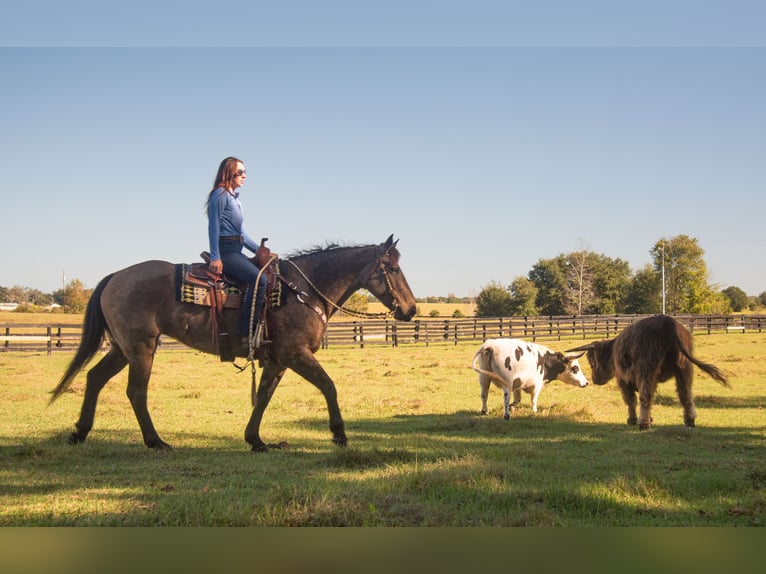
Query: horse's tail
93 330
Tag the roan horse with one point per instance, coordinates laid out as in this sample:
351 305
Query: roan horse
136 305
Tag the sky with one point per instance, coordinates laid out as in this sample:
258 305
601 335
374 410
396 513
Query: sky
484 135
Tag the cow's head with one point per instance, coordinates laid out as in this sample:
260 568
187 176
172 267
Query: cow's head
600 359
565 368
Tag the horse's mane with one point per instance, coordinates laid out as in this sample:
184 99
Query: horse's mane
326 248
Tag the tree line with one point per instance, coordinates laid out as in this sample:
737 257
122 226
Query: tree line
72 298
578 283
588 283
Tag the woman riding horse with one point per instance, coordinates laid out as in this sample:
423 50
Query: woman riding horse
227 236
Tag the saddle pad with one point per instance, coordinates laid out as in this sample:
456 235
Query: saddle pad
191 290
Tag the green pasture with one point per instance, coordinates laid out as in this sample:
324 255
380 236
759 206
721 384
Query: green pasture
419 453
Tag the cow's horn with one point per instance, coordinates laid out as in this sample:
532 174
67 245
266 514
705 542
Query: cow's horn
577 356
587 347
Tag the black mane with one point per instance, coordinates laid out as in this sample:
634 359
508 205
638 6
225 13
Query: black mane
327 248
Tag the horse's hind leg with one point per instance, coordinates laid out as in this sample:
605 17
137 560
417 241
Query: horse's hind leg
270 378
138 383
98 376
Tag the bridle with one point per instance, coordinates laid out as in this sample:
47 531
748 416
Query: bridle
379 267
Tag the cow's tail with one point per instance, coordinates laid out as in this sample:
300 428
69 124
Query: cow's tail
93 330
711 370
481 371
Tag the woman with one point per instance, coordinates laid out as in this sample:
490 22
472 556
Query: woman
227 236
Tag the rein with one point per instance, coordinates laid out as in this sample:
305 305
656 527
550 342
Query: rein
351 312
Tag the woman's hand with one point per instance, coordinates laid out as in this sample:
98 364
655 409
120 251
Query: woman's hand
216 266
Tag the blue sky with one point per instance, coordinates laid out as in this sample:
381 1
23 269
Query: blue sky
484 138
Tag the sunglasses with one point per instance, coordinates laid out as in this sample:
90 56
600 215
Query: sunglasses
241 172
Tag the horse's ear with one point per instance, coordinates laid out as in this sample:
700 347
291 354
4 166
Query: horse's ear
390 244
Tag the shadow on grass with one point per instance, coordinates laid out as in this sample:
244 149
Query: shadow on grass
407 470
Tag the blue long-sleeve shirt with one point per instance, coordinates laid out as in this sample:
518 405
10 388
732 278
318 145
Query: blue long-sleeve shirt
224 213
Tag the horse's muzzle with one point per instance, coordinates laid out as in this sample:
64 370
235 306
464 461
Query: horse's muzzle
402 315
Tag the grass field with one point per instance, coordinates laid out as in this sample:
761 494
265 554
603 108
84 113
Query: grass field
419 454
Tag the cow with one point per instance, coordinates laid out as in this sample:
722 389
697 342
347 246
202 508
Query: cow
515 365
645 353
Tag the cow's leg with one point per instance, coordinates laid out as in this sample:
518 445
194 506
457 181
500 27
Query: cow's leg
484 382
535 392
646 397
98 376
506 403
270 378
516 398
684 379
629 396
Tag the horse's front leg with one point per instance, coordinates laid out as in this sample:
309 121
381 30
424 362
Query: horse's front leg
309 368
270 378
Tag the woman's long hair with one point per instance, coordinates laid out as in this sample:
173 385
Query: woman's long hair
227 171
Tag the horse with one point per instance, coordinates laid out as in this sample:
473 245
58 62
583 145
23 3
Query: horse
133 307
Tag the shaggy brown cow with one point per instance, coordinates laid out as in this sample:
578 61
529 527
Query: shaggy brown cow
645 353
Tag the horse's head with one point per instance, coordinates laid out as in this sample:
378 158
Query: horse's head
388 283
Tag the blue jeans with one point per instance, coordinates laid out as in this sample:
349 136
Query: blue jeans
237 266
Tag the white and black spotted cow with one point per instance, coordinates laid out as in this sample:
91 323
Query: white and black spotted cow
516 365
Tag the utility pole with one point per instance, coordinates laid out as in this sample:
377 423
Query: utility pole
662 248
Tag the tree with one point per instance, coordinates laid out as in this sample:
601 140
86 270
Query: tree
76 297
580 279
738 299
493 301
643 293
523 296
357 302
686 275
550 278
611 278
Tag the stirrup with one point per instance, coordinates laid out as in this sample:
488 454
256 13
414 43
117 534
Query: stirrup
258 339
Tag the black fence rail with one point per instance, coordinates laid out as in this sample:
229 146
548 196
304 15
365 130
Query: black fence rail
423 331
440 331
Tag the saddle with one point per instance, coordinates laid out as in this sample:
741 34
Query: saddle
198 285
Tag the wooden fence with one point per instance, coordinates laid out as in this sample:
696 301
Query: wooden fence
422 331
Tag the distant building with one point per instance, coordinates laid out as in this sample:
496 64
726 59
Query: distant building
8 306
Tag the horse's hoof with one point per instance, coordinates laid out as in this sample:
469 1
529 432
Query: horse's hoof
75 438
160 445
340 441
259 448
